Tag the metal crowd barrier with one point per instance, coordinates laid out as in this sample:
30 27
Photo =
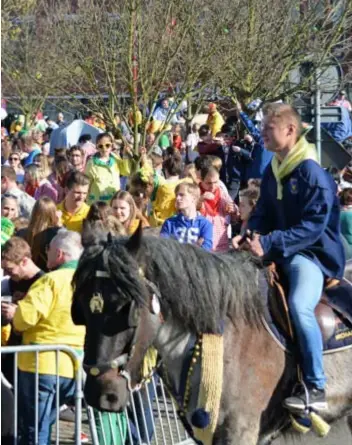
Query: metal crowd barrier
149 419
78 395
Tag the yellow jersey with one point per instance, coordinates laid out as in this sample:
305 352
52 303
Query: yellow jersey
44 317
73 221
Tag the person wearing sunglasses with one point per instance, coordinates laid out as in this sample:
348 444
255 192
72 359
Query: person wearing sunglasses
104 170
15 163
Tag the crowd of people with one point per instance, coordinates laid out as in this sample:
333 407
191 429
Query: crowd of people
202 186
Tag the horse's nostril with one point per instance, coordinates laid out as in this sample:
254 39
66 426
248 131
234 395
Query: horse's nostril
111 398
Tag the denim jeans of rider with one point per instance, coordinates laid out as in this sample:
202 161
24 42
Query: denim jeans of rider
306 283
46 404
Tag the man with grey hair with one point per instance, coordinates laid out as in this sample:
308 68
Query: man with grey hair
44 317
65 248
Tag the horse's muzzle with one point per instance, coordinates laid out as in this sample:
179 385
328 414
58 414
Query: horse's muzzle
107 392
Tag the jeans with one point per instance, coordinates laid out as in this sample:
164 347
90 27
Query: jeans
306 283
46 404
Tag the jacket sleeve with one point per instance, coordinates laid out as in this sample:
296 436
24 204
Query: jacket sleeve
261 220
318 203
165 231
35 305
206 233
245 154
253 130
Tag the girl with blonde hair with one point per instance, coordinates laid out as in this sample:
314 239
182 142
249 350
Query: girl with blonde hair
125 210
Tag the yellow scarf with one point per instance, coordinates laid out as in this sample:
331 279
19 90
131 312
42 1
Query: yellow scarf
299 153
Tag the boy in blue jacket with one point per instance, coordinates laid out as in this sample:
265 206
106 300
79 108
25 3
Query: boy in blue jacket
297 220
188 226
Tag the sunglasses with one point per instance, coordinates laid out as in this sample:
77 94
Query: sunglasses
104 146
11 158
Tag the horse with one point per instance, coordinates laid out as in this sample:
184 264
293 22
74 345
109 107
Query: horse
137 292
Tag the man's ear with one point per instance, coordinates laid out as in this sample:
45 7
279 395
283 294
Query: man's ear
60 254
291 129
24 261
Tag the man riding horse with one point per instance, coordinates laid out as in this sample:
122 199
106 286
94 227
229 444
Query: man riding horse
297 220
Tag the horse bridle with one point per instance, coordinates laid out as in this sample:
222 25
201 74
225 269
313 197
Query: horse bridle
122 360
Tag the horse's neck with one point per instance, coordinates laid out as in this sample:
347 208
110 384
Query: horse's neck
171 343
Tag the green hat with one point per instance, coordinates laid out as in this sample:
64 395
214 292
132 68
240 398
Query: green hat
7 230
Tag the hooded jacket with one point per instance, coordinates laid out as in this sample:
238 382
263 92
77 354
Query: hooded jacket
105 177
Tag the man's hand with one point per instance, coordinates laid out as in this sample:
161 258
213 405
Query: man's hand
207 195
235 242
8 311
254 246
127 150
248 138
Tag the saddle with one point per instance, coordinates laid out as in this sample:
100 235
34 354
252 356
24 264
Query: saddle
333 313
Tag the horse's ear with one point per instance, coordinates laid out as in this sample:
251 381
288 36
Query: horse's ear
135 240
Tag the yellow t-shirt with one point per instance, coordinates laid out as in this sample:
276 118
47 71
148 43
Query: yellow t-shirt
73 221
164 204
44 317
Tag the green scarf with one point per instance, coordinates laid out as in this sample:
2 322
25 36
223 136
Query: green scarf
299 153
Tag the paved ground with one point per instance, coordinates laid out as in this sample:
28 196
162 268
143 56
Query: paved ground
339 435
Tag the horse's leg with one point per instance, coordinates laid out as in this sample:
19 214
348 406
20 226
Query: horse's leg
253 376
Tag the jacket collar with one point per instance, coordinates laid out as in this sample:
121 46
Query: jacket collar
69 265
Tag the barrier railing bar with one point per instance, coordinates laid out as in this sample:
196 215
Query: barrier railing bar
57 398
159 412
102 427
37 349
146 388
129 432
92 425
167 411
36 397
135 419
143 416
15 405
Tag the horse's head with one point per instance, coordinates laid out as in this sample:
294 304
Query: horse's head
118 306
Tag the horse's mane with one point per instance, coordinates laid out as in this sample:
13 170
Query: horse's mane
197 287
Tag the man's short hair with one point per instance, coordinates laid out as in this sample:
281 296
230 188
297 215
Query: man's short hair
285 113
204 130
191 188
76 148
216 162
69 242
15 249
76 178
252 195
202 162
8 172
84 138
